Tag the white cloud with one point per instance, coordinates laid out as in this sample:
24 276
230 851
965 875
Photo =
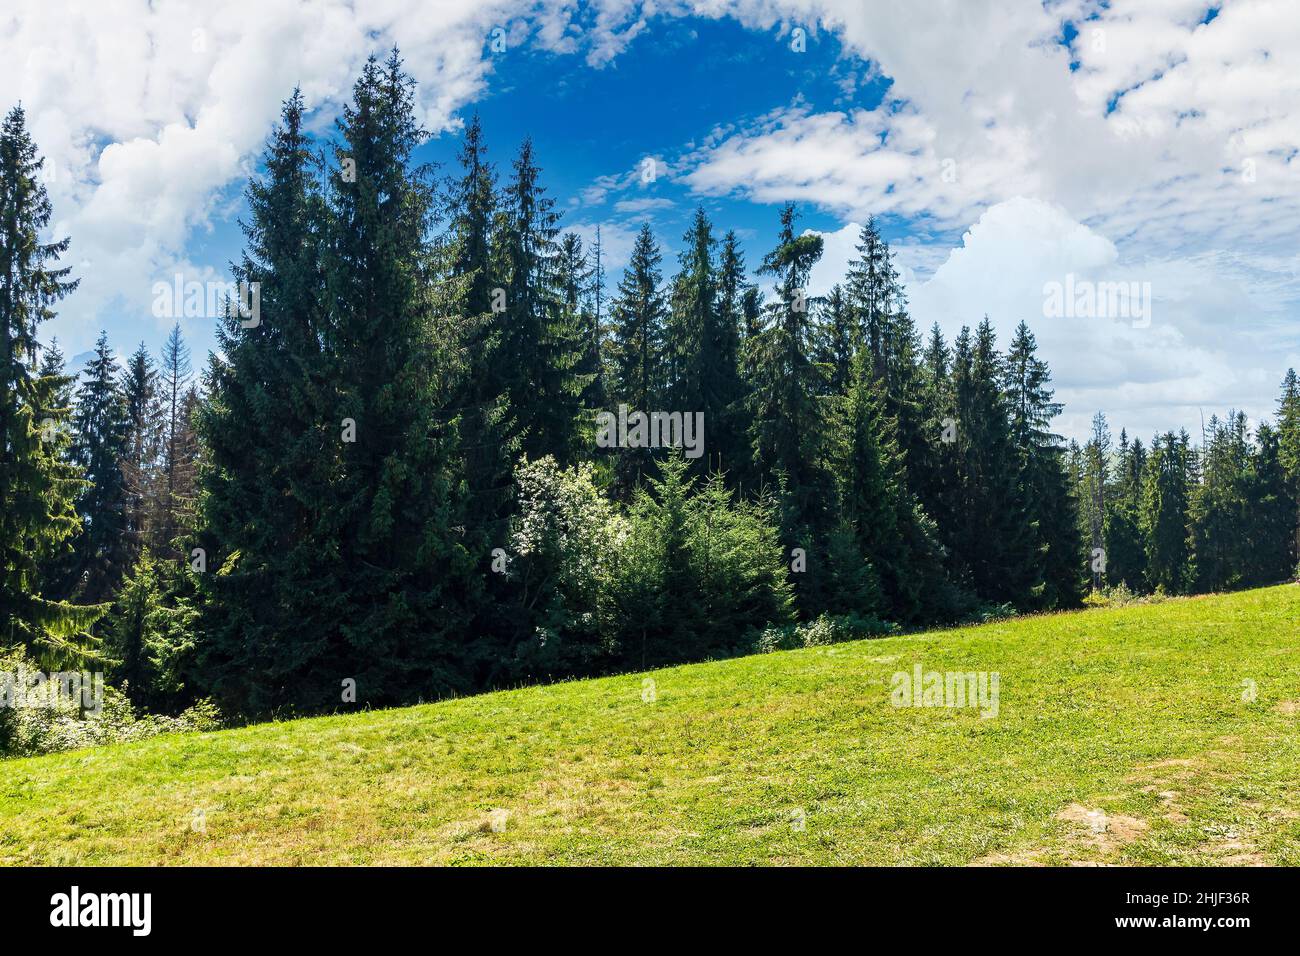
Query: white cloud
1202 143
643 205
1170 152
147 111
1191 359
616 241
1169 155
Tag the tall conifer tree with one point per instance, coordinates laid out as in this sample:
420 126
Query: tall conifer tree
790 447
542 342
176 483
1165 502
730 435
143 445
397 345
270 568
1288 428
868 288
102 426
991 535
37 486
636 347
706 331
486 442
1125 557
1044 482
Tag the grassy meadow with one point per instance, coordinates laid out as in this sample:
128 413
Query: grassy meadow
1164 733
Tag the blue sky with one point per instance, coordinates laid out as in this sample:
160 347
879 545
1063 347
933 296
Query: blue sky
592 127
1006 147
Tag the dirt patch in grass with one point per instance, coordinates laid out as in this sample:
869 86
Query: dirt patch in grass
1102 831
1093 833
1222 844
1017 858
1169 803
1229 848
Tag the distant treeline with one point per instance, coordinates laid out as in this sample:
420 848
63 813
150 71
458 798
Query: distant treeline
389 486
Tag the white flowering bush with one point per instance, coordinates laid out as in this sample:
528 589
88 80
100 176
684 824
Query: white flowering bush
63 724
562 538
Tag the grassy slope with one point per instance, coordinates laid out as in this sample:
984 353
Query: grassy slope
1136 712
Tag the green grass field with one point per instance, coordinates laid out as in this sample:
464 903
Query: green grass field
1123 736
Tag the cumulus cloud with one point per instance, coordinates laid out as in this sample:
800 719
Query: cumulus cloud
1168 132
643 205
1158 142
616 241
1190 359
146 112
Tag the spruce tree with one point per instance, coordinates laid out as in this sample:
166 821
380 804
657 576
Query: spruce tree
1095 494
472 205
893 536
787 430
133 629
598 277
576 277
1044 482
541 344
689 344
404 574
54 366
1124 551
636 347
935 480
905 390
177 477
836 342
698 573
871 485
143 444
992 536
708 341
595 360
787 414
1270 513
58 570
331 496
1165 500
637 339
1224 510
730 434
270 572
868 288
101 426
37 486
489 450
1288 429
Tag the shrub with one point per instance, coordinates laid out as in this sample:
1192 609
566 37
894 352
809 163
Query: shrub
149 637
561 543
29 731
696 571
825 630
985 613
1119 595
